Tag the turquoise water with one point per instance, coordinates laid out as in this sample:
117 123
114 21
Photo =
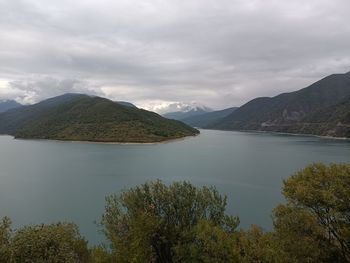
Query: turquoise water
48 181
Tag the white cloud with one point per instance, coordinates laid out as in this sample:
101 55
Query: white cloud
162 107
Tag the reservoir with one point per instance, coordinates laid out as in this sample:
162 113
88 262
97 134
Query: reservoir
51 181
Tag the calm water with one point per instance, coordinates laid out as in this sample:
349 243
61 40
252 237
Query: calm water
47 181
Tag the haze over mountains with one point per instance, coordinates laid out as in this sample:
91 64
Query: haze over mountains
208 118
8 104
199 117
187 112
320 109
85 118
127 104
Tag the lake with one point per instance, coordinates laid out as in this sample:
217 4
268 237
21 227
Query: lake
50 181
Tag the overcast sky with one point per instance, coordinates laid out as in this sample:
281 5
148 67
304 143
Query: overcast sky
218 53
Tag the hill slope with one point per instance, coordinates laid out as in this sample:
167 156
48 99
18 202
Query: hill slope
84 118
331 121
291 112
8 104
208 118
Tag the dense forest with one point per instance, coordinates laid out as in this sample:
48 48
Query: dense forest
155 222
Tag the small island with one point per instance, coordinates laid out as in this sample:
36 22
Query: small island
80 117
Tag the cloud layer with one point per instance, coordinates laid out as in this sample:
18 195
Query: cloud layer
219 53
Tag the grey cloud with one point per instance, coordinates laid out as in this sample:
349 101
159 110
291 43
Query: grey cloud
219 53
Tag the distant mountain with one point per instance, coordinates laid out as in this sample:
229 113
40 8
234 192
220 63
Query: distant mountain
88 118
181 115
8 104
208 118
294 111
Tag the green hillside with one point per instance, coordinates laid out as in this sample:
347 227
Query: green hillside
295 112
84 118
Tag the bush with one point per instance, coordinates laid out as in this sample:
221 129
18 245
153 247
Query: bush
158 223
54 243
314 225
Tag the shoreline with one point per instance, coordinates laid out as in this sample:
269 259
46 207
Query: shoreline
187 137
286 133
97 142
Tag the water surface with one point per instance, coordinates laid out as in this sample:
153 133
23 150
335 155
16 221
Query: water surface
48 181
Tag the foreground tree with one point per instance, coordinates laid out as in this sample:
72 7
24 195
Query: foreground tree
5 235
159 223
255 246
314 225
101 254
55 243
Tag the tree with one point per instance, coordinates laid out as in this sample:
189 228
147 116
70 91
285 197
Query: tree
255 246
5 235
54 243
155 222
100 254
208 243
298 237
315 222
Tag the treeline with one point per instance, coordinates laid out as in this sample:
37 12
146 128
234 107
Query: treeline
182 223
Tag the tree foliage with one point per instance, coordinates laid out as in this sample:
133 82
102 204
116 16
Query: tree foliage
5 235
314 225
159 223
54 243
255 246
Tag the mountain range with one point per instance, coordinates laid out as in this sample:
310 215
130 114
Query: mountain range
322 108
205 119
199 117
89 118
8 104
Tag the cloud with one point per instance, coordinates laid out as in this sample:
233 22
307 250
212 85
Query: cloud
173 106
32 90
219 53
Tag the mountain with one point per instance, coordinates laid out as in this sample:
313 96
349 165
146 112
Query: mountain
85 118
181 115
208 118
330 121
293 112
8 104
127 104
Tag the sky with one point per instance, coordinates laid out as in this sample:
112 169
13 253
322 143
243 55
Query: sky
162 54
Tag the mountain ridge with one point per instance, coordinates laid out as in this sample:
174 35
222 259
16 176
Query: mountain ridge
286 112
